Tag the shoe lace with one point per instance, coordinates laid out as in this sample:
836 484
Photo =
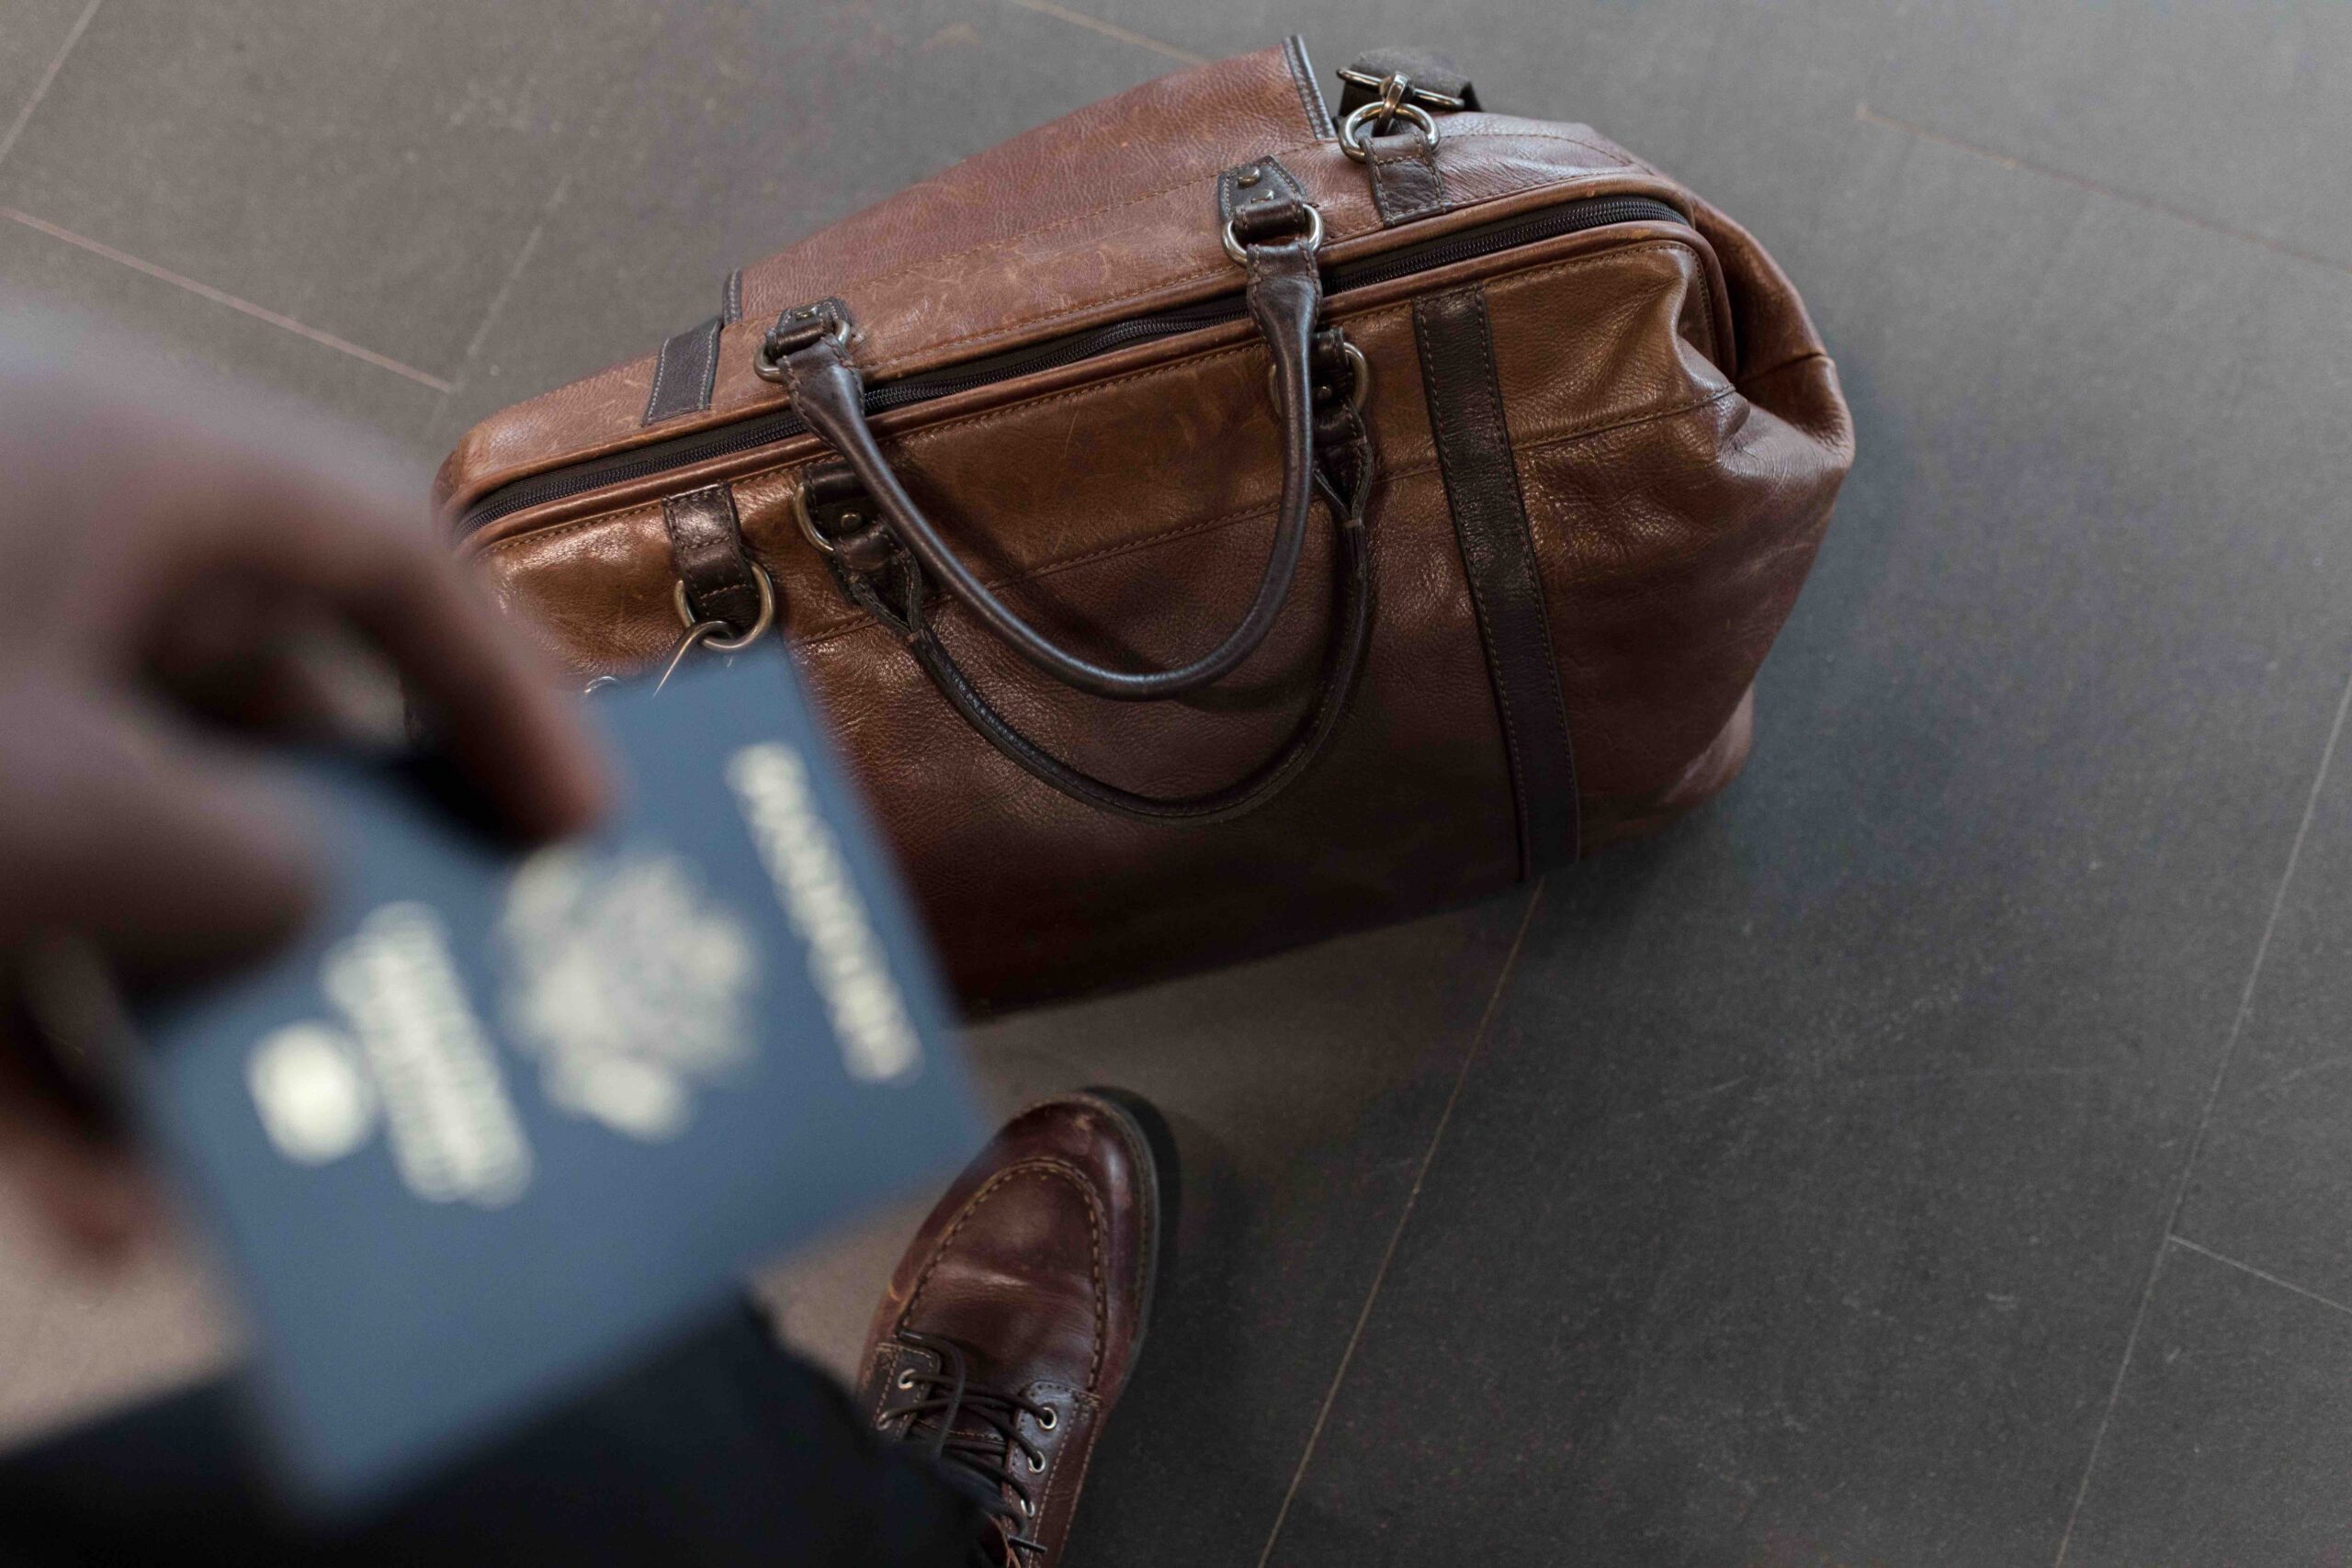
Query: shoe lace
976 1428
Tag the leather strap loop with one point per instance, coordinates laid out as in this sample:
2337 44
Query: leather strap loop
1284 296
707 554
684 372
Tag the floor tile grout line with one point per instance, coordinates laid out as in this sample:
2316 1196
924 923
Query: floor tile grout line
1403 1218
1869 115
498 300
2205 1115
40 91
219 297
2266 1277
1110 30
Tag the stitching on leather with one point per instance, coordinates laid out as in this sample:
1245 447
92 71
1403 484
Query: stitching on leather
648 509
710 366
823 631
858 624
1617 158
884 1354
1046 399
1546 271
1042 1167
1191 176
1310 95
1806 357
661 374
1554 498
1014 328
983 418
1445 428
1534 570
1085 1457
855 623
1614 158
1398 205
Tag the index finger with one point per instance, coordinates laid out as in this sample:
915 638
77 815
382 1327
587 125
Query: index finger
224 499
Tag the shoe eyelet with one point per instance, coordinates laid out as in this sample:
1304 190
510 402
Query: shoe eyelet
1036 1465
906 1377
1049 1421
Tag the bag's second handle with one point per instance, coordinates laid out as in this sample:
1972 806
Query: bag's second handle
888 583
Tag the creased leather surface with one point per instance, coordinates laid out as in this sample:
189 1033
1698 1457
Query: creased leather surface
1680 438
1095 217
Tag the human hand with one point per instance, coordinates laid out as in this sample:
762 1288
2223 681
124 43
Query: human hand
167 556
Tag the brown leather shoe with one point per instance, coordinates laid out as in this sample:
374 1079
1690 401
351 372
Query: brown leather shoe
1014 1316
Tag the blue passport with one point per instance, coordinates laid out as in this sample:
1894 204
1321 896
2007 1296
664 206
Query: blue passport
503 1118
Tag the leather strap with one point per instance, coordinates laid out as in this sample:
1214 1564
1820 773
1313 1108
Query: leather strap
684 372
1405 181
1310 93
1344 478
707 552
1284 294
1466 401
1261 179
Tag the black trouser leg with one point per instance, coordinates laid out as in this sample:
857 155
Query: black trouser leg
722 1449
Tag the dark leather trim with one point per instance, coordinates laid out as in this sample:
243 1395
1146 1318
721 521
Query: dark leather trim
1310 92
684 372
1272 183
1434 71
707 552
1405 181
1466 401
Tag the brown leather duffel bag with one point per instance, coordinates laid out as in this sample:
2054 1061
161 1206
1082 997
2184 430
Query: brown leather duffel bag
1212 525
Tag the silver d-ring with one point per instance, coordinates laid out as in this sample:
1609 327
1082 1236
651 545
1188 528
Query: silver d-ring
1359 389
1351 143
766 618
1234 248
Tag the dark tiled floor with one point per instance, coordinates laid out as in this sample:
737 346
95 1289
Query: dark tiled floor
1797 1192
2232 1434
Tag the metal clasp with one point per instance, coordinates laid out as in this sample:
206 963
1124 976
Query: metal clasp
1427 97
715 635
1399 99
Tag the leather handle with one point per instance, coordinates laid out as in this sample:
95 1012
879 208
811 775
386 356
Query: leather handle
1285 295
1345 479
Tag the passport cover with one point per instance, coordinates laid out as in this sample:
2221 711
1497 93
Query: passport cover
503 1118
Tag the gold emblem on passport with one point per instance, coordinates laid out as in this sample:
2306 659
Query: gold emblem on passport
618 976
628 984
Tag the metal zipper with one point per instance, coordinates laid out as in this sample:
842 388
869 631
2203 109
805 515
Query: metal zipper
781 424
